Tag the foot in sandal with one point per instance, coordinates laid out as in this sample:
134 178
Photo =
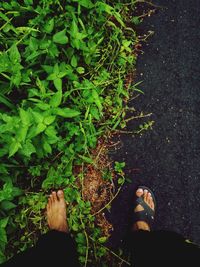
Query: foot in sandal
144 209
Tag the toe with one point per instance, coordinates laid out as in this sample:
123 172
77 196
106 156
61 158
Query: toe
152 204
54 196
149 198
60 195
145 195
139 192
50 201
48 207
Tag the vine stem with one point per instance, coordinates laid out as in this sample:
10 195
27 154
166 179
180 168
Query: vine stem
147 2
99 211
87 243
138 117
123 132
112 252
117 256
6 23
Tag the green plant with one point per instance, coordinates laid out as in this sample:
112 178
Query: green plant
63 68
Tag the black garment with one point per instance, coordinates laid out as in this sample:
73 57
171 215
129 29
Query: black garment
156 249
162 248
52 249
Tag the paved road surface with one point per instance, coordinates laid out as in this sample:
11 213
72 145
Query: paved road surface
168 157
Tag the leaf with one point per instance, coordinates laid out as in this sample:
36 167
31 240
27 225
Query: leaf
56 69
14 54
95 113
56 99
66 112
49 26
14 147
51 132
62 74
58 84
33 44
7 205
40 85
49 120
85 3
16 78
4 222
136 20
119 166
3 237
43 106
35 130
38 117
80 238
60 37
52 76
28 148
33 55
102 239
9 192
120 181
126 43
3 16
40 128
28 2
47 147
74 29
45 44
53 50
48 68
138 90
86 159
119 18
3 169
105 7
97 100
80 70
16 192
74 61
22 133
6 101
25 117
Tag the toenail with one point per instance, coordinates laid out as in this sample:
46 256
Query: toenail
139 190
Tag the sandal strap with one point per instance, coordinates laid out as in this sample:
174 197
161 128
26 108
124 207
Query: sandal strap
140 201
146 215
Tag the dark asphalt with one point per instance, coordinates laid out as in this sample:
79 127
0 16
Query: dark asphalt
168 157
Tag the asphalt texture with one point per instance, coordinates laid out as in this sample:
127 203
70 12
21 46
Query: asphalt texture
167 158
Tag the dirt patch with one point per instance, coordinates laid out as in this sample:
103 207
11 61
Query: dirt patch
98 186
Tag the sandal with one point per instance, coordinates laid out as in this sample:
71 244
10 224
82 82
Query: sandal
147 215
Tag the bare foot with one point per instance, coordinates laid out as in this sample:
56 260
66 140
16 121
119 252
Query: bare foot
56 212
141 225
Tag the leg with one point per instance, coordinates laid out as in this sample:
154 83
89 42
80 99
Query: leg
56 248
158 248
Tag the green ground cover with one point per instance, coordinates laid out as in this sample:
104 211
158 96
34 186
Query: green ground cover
63 85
